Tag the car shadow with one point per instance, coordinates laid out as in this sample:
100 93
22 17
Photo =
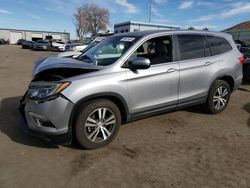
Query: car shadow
243 89
246 82
10 125
195 109
247 108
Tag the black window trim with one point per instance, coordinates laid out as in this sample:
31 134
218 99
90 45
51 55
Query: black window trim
204 37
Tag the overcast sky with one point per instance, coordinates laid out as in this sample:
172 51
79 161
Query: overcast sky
56 15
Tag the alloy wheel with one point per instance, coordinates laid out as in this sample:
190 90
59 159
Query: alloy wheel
220 97
100 125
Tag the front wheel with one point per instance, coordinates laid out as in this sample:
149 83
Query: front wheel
97 124
218 97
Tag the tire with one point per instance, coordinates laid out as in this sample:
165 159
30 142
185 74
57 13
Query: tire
92 131
218 97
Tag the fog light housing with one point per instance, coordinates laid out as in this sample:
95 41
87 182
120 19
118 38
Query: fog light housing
41 121
46 124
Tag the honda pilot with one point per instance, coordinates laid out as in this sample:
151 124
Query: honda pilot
126 77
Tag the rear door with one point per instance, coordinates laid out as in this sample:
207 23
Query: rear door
196 68
156 88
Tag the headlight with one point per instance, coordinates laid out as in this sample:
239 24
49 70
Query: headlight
39 91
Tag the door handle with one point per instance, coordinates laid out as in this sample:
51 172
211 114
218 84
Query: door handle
171 70
208 63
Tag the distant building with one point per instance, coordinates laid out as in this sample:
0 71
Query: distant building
240 31
132 26
13 35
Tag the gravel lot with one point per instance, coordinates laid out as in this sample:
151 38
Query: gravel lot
186 148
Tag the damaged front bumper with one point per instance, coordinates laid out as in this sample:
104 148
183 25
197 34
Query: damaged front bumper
48 120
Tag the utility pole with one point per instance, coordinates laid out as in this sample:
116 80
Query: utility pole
150 10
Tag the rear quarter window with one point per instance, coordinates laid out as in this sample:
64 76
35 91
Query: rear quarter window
219 45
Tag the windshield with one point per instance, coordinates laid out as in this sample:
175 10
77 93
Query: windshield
107 51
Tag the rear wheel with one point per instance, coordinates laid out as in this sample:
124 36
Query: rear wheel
218 97
97 124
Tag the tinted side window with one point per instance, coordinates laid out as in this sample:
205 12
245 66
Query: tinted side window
218 45
191 47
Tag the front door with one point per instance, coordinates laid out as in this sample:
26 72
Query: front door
155 88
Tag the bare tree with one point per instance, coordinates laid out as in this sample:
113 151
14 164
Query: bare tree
90 18
77 21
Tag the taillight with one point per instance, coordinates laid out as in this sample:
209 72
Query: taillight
242 59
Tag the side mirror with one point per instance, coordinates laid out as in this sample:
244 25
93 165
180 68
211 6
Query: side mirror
140 63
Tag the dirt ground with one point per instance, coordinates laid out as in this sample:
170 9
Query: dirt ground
186 148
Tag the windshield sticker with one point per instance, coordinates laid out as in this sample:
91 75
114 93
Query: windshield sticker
127 39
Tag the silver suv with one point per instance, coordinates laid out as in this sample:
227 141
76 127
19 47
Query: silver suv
126 77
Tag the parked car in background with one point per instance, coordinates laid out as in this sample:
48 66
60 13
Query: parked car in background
246 69
20 41
242 43
4 42
238 46
130 76
70 54
62 48
58 45
69 46
74 54
42 45
28 44
80 47
246 65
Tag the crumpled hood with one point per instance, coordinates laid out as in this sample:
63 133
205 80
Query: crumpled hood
58 62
